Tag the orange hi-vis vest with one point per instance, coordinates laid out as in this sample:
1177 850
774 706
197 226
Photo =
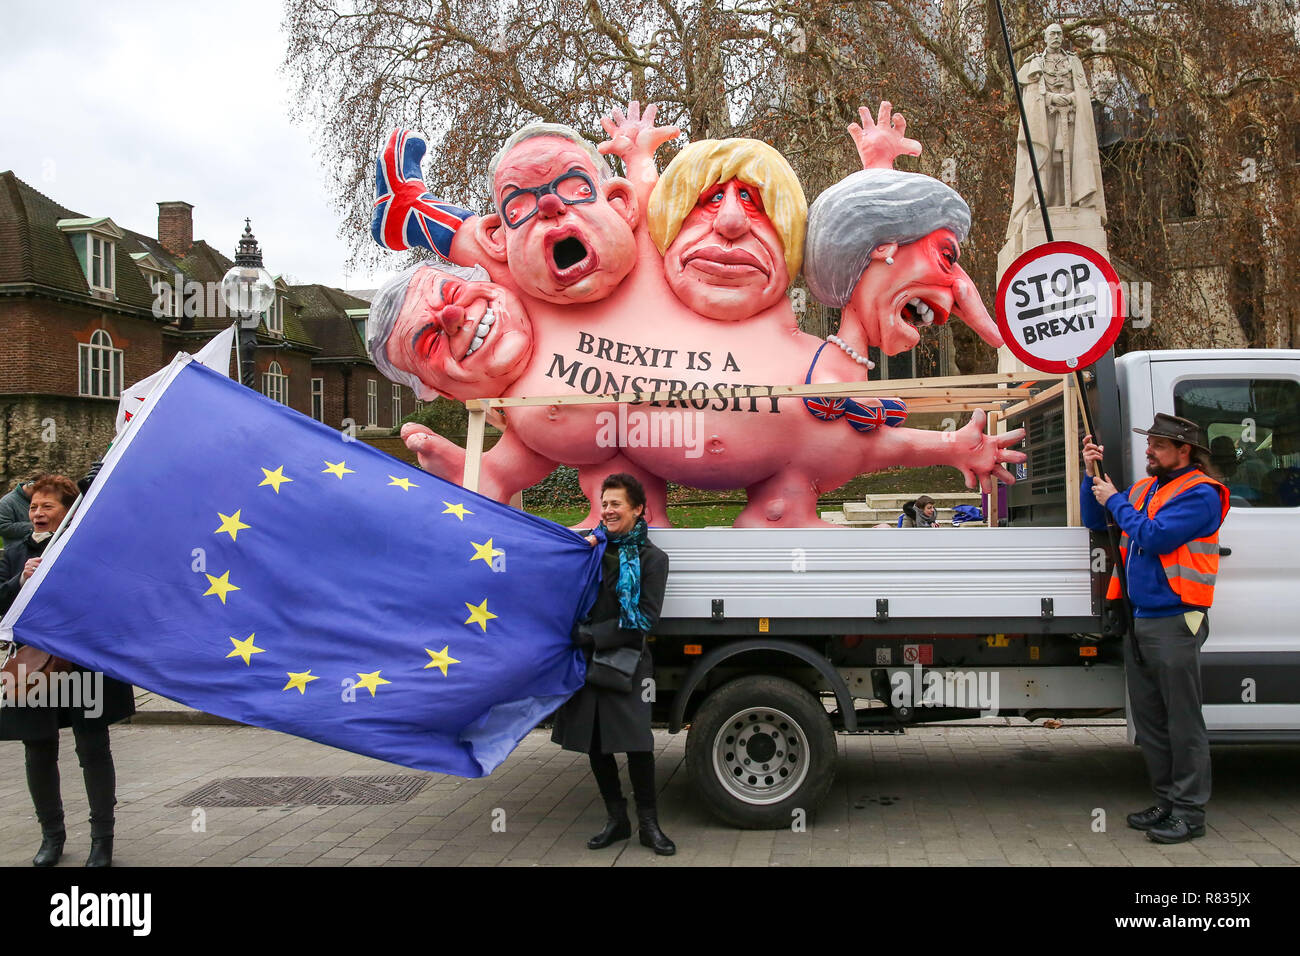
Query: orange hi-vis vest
1192 567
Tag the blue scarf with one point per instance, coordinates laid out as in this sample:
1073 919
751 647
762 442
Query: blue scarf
629 574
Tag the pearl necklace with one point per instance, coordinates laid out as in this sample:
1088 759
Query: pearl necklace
850 351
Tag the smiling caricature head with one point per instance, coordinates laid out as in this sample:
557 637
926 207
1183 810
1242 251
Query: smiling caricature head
729 217
563 223
446 330
883 245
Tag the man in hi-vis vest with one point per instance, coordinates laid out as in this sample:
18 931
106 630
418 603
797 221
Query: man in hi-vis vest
1169 548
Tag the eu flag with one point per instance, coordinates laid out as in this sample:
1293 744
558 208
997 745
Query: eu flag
248 561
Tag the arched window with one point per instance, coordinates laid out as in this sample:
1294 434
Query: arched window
275 384
99 367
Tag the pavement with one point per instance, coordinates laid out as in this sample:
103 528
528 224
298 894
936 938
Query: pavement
967 794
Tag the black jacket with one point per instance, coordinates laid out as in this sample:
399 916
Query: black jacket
624 716
35 723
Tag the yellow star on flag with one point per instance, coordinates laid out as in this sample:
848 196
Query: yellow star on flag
219 586
274 478
299 681
339 469
404 483
479 614
441 659
245 649
231 525
460 511
485 552
371 681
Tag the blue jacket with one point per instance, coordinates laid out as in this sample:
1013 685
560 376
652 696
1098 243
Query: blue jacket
1191 514
15 526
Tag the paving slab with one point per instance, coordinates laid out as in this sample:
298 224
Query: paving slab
969 794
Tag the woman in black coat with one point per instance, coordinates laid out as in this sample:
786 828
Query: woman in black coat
38 726
602 722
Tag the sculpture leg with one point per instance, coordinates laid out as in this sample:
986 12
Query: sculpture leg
788 499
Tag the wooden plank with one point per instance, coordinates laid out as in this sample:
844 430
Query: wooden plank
1071 412
953 384
995 427
1044 396
474 447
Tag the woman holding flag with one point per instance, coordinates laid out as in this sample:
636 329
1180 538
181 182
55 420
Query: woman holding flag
37 725
602 721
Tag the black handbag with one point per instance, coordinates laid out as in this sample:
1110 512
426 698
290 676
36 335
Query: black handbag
613 669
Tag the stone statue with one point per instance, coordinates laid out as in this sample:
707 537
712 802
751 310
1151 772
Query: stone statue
1058 104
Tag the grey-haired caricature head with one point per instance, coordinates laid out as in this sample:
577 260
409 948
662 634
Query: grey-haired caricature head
562 222
443 329
883 245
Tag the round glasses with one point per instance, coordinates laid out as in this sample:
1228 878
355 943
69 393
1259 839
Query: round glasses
571 188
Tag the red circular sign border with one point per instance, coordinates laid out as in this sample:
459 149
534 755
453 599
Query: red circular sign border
1103 344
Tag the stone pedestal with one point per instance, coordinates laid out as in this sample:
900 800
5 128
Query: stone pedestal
1079 224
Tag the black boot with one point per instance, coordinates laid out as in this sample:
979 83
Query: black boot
51 849
42 761
651 835
101 852
617 826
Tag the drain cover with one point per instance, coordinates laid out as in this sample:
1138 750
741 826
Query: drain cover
304 791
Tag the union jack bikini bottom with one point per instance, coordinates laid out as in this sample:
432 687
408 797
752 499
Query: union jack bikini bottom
862 416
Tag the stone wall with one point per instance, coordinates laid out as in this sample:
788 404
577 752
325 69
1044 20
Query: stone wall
52 433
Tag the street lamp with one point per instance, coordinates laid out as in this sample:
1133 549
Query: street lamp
248 291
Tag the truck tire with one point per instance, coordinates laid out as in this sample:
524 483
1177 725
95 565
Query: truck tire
760 748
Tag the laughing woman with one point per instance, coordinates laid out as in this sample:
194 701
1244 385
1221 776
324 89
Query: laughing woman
600 721
38 726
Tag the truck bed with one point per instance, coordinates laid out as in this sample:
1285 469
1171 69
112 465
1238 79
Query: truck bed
832 581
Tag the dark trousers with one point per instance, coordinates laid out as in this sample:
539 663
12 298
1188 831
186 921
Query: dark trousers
1165 707
96 769
640 767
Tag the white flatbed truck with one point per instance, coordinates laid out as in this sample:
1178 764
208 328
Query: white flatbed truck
772 641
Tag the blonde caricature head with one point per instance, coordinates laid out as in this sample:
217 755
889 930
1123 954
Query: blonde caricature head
712 161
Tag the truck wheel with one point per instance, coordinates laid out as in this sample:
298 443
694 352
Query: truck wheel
758 749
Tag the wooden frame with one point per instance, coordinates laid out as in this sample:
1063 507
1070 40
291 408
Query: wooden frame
1001 395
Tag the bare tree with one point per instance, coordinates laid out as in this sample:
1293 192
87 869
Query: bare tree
1193 90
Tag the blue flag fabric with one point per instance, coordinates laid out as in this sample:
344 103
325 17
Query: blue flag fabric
248 561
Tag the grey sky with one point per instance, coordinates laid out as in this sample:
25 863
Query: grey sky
109 108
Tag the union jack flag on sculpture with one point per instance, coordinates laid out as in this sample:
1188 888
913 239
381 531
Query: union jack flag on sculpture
875 412
406 214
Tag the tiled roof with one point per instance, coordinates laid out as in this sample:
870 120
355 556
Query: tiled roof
324 315
33 251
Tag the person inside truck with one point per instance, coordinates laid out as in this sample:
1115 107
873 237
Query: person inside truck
1169 555
1226 459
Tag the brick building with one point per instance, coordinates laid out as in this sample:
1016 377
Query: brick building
88 307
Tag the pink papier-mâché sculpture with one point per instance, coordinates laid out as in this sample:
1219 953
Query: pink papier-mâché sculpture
602 284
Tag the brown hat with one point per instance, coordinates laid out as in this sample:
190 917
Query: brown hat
1175 429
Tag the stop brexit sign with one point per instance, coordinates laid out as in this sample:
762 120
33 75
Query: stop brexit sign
1060 306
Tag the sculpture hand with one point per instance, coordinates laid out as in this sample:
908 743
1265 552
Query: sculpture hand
880 143
980 456
635 137
436 454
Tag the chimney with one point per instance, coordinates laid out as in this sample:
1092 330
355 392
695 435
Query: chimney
176 227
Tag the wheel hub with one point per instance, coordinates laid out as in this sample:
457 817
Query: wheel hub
760 755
